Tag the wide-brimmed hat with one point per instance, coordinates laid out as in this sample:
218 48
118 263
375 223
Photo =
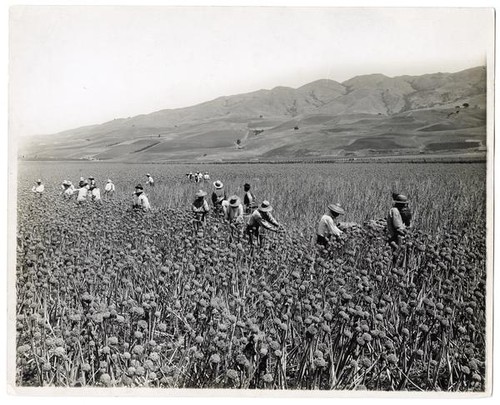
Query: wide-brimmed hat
139 187
400 199
91 178
218 184
201 193
234 201
265 206
65 182
109 180
336 208
147 174
39 181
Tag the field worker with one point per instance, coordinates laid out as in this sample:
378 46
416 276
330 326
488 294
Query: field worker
150 182
200 207
249 199
140 199
395 223
95 194
109 189
69 189
82 193
327 226
233 210
404 210
261 217
39 188
218 195
91 183
81 182
206 177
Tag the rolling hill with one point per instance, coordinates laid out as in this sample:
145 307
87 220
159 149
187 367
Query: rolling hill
370 115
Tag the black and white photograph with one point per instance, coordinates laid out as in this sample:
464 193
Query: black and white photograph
251 200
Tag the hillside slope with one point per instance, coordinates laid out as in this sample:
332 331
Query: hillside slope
363 116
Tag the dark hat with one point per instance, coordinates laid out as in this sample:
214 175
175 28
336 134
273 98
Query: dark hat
336 208
265 206
400 199
139 187
246 186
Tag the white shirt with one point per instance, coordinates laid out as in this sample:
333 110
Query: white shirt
38 189
142 201
327 227
82 193
96 194
69 191
150 180
109 187
232 213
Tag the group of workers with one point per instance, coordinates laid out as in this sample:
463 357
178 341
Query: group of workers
198 177
244 216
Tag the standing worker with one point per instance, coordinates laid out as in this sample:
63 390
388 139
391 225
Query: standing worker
398 219
206 177
218 195
261 217
327 227
82 192
39 188
233 214
109 189
140 199
249 200
150 182
200 209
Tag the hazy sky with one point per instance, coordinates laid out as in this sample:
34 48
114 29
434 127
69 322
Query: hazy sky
74 66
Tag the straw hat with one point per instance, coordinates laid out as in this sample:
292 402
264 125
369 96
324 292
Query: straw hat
147 174
139 187
400 199
109 180
39 181
218 184
265 206
336 208
234 201
200 193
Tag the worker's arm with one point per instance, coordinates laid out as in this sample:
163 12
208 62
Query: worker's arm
397 221
332 228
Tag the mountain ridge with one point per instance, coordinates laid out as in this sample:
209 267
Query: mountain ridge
251 125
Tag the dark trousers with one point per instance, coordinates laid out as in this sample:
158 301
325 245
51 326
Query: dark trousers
321 240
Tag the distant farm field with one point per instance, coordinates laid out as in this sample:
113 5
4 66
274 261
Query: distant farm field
107 296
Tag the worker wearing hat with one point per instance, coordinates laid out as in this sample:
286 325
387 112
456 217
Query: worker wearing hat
39 188
81 182
68 189
83 192
233 210
398 219
140 199
327 227
261 217
200 207
150 181
109 189
218 195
